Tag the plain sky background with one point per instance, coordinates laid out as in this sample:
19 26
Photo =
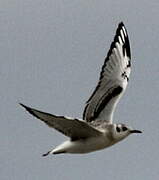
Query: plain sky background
51 54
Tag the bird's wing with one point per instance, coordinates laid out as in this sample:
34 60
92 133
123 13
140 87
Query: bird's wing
73 128
113 79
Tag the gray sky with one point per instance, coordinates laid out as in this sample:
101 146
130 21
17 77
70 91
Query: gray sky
51 56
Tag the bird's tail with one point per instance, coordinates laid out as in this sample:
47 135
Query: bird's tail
62 148
54 151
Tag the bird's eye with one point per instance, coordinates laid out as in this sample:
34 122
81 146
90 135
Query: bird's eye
117 129
124 128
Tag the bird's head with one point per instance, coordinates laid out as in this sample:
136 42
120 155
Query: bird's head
121 131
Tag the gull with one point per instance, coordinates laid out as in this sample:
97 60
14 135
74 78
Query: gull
97 131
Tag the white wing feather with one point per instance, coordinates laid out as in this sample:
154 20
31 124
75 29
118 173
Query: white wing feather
113 79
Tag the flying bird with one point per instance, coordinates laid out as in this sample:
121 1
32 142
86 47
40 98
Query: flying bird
97 131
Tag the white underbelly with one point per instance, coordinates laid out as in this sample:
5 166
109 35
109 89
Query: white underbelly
84 146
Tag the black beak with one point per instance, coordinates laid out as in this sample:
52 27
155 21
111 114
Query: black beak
135 131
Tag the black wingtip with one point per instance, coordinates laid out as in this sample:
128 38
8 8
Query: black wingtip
30 110
127 43
126 46
22 105
120 26
121 23
26 107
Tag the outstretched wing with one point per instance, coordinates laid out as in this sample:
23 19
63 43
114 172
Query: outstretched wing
73 128
113 79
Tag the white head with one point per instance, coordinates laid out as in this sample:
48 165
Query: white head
121 131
